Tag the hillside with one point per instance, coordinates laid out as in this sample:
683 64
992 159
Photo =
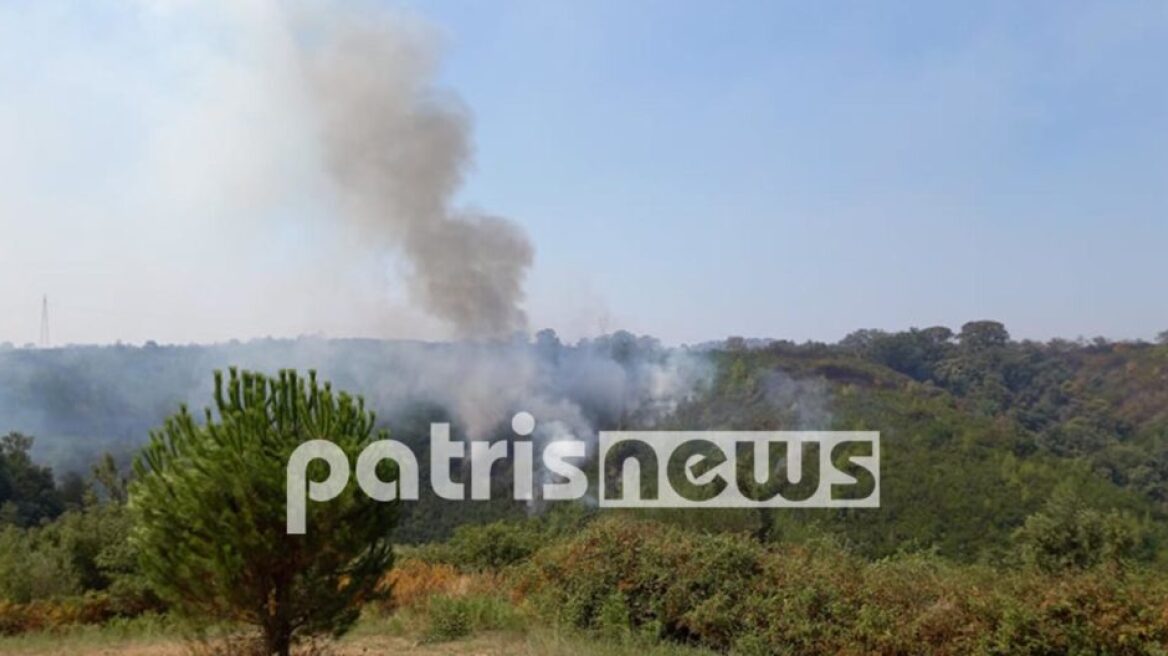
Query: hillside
979 430
1023 495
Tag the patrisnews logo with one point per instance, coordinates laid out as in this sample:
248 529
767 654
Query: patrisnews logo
732 469
632 469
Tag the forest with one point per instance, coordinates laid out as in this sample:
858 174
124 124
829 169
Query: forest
1024 491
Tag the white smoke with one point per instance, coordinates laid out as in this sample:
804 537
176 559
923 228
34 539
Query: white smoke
84 400
567 388
806 401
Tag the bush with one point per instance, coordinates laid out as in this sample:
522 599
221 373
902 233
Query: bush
481 547
412 582
44 615
36 564
82 551
727 593
450 618
1067 534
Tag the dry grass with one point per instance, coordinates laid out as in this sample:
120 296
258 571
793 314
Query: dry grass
538 643
413 582
399 626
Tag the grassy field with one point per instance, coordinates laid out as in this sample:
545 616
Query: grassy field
156 638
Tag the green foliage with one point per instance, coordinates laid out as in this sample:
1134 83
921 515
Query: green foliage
83 551
983 335
729 594
954 478
77 568
209 511
487 546
36 564
1067 534
915 353
453 617
449 619
27 492
497 545
612 617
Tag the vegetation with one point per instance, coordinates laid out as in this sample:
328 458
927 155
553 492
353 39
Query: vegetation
978 432
27 492
1024 498
208 505
729 593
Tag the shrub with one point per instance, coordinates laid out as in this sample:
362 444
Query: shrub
54 614
450 618
36 564
412 582
727 593
1067 534
481 547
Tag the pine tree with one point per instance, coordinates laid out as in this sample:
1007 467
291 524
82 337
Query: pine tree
209 503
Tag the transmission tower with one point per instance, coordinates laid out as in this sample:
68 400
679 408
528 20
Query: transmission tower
45 321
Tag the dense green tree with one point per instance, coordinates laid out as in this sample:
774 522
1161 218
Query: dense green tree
1068 534
83 550
914 353
983 334
27 492
209 502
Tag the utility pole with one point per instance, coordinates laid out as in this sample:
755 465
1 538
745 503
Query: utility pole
45 321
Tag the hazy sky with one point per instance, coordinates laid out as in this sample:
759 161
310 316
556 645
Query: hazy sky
686 169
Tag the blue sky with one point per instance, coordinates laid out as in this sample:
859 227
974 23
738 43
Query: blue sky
699 169
805 169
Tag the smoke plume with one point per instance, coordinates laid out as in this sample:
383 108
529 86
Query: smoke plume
397 149
238 169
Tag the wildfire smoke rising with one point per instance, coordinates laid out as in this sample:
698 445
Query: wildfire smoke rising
318 126
397 149
242 168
